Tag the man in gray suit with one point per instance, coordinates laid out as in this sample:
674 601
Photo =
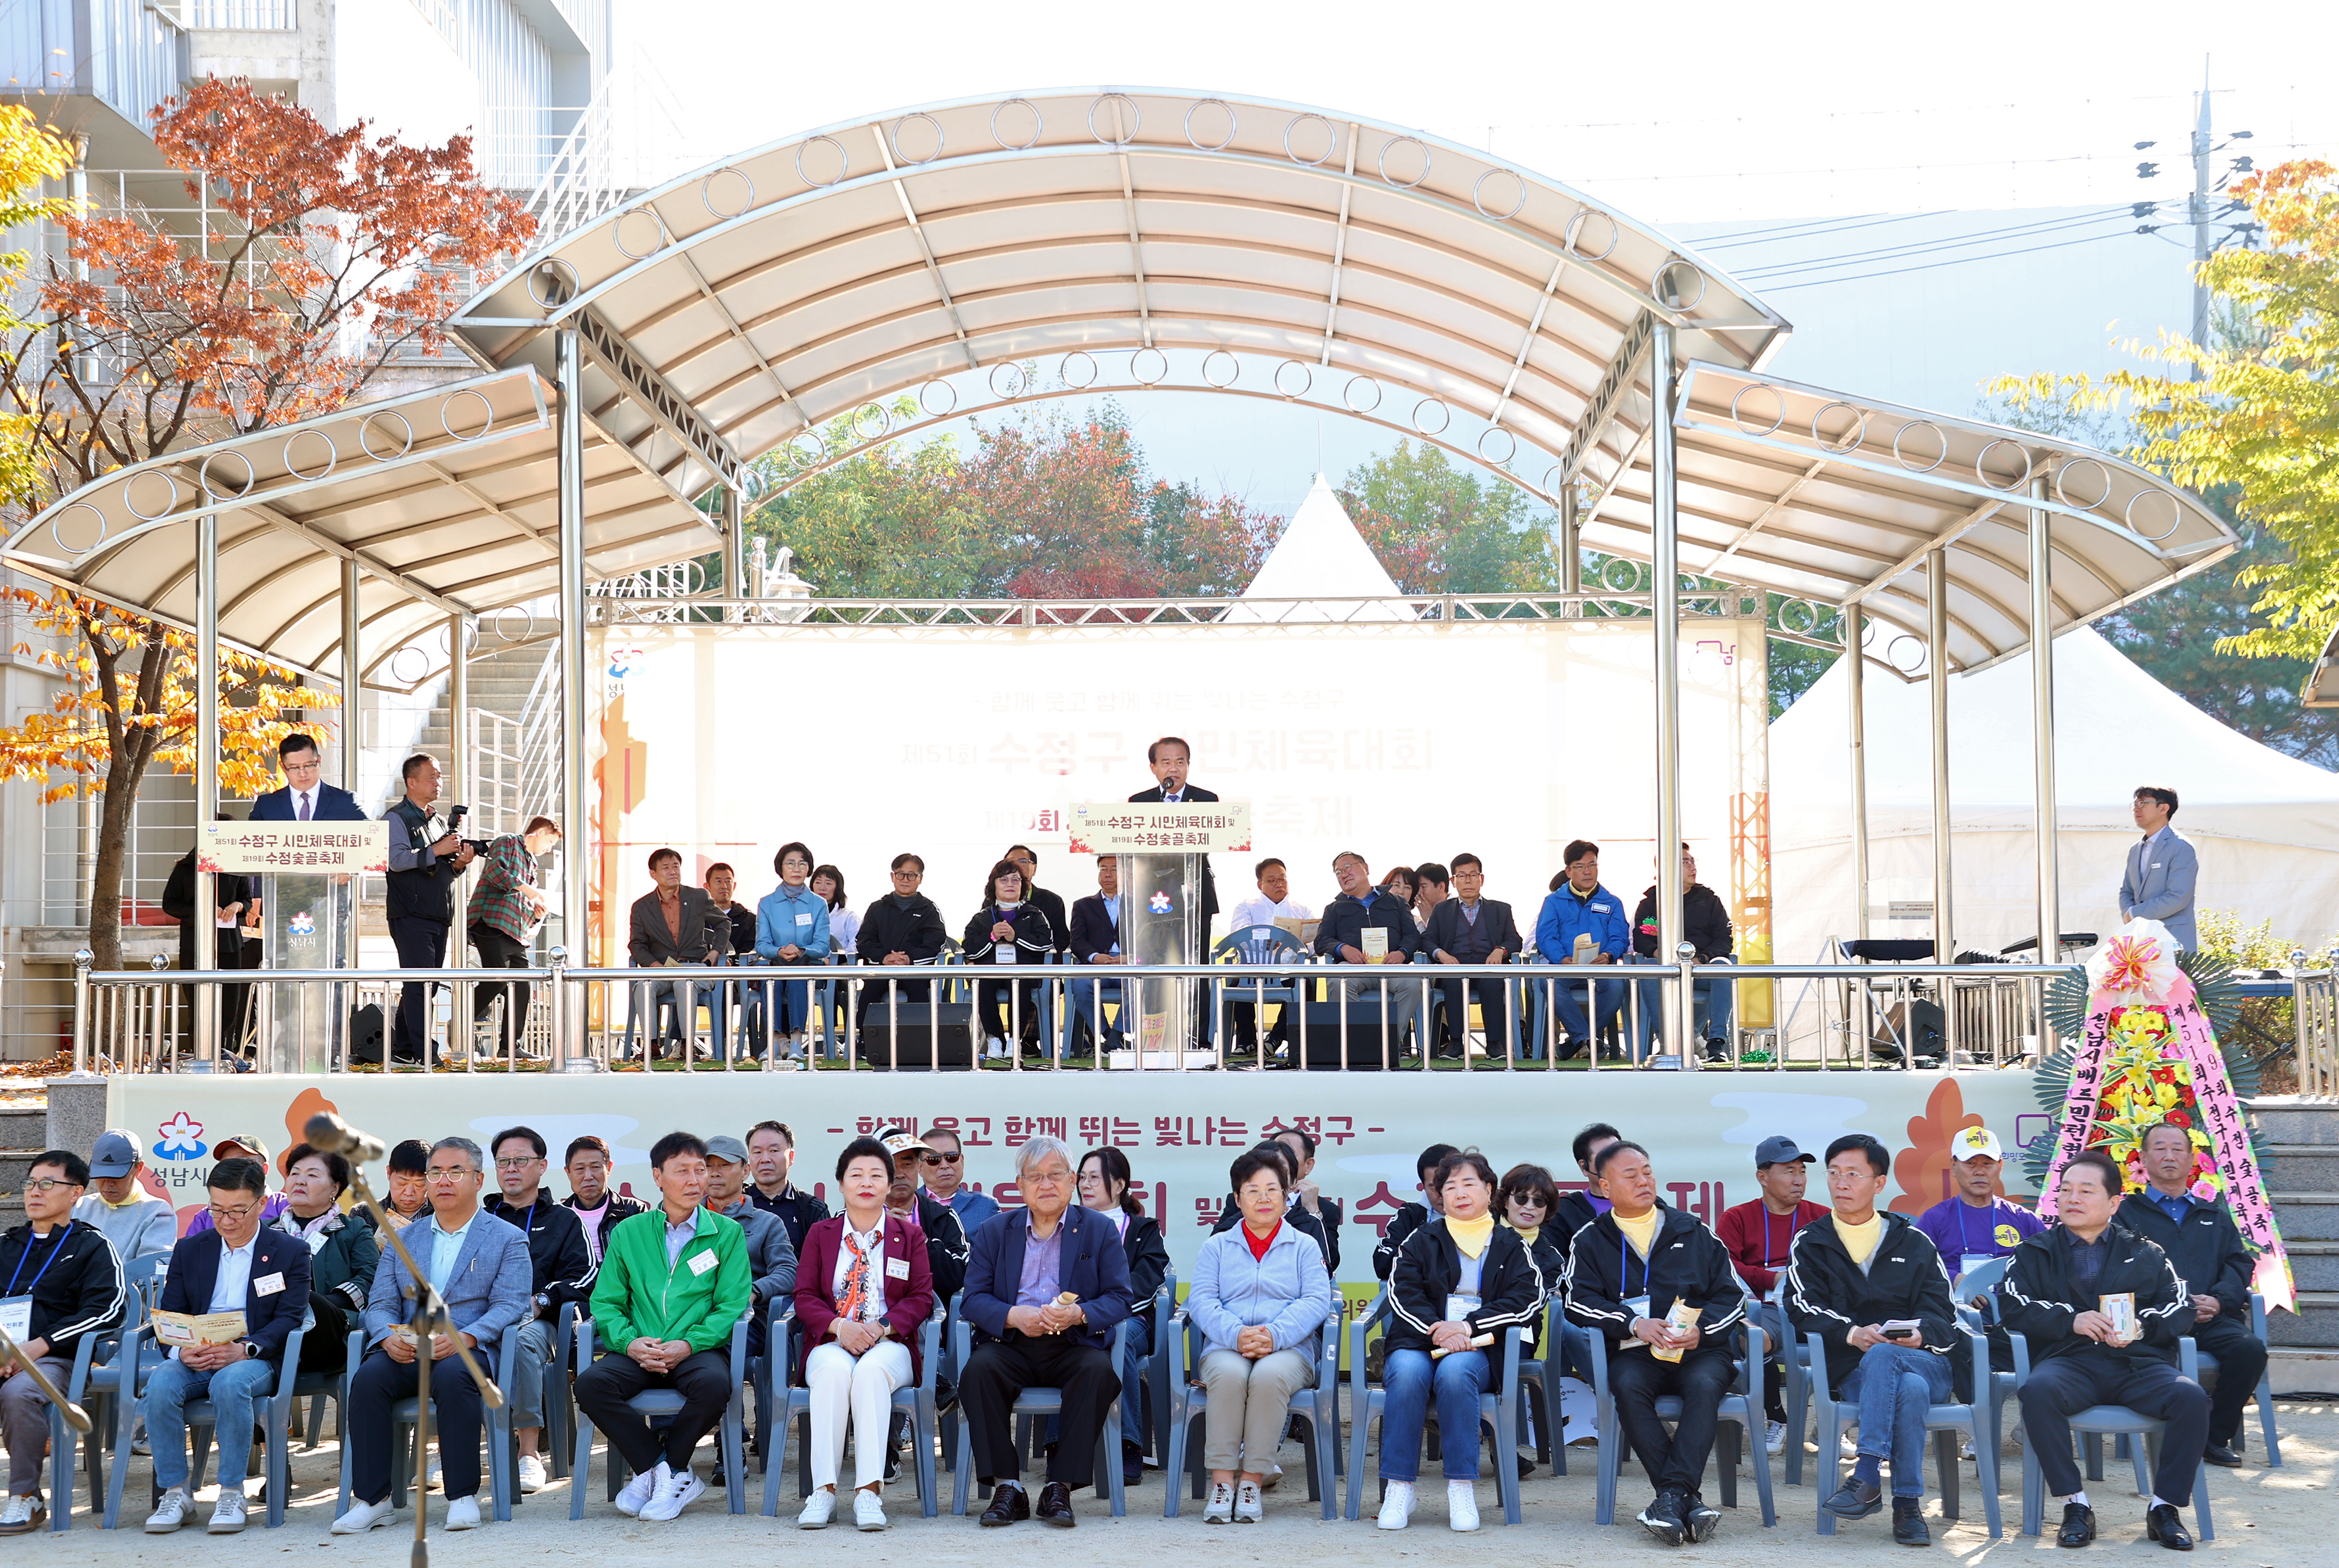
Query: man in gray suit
673 923
480 1266
2161 870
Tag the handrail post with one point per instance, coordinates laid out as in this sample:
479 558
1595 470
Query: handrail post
83 959
559 960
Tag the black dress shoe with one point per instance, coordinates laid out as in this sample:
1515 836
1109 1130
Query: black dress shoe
1855 1499
1056 1505
1008 1504
2164 1524
1132 1464
1908 1523
2079 1525
2222 1454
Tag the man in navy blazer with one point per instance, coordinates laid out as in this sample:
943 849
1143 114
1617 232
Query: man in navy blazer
1020 1268
234 1267
481 1267
1096 940
305 797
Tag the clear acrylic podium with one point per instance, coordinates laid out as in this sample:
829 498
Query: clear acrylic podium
1160 922
310 922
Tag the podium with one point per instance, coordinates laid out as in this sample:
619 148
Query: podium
1163 852
309 876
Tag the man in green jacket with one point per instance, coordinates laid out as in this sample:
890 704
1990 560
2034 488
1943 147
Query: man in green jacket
673 1281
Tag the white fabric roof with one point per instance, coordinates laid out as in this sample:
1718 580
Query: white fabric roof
1322 570
2266 825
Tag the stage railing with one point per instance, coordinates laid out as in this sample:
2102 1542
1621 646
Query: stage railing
2314 1011
1028 1016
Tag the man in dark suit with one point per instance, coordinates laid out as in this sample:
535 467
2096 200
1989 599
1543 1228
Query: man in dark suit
1096 940
672 923
1468 929
305 797
230 895
234 1267
1027 1334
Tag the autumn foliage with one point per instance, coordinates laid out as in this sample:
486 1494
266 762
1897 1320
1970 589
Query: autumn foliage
1922 1169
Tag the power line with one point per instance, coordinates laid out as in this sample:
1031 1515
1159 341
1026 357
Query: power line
1952 261
1742 237
1958 243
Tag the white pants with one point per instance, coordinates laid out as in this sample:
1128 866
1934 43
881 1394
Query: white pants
861 1389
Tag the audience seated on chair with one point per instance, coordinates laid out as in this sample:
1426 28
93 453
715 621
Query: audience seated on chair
586 1165
235 1266
406 1196
943 1178
1759 1236
1460 1282
479 1267
1273 904
2206 1249
1044 1290
1108 1186
1583 922
133 1218
792 930
2057 1292
1870 1285
1095 941
1364 915
900 930
1007 928
70 1280
1977 1222
1628 1273
1469 929
862 1289
1705 923
946 1244
771 1161
560 1271
1306 1208
1411 1217
672 1284
343 1251
1260 1295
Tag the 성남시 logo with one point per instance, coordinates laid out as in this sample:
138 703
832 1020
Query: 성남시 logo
1159 904
303 924
181 1138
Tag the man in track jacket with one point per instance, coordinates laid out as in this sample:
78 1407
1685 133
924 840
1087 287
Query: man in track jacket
560 1271
1626 1271
69 1271
1871 1286
2060 1291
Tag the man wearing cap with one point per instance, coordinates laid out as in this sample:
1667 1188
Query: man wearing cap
771 1254
1975 1223
560 1271
946 1244
134 1220
1760 1236
243 1146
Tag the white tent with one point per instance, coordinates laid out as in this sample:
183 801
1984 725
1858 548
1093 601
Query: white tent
2266 825
1321 558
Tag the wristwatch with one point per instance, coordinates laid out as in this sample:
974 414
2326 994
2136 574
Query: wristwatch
251 1350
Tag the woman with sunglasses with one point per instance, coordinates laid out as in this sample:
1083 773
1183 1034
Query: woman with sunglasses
1105 1187
1526 1199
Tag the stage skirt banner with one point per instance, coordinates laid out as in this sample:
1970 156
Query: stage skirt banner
1180 1130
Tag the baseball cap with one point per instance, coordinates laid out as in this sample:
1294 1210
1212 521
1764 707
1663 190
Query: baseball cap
723 1145
1778 1151
1975 1143
115 1154
899 1141
245 1141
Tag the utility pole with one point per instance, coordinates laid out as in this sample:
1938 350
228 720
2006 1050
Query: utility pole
2199 213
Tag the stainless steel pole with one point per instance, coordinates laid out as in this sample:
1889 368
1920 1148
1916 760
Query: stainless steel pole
1665 479
1571 552
2042 720
1855 692
576 838
461 783
734 550
353 677
1936 681
207 608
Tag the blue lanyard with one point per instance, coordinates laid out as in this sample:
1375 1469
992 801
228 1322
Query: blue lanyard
527 1231
1768 1251
54 1248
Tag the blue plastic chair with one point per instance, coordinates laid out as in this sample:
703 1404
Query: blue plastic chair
1034 1403
2264 1395
1741 1416
559 1403
1977 1420
1254 944
273 1414
791 1399
96 1381
1318 1408
1497 1409
657 1402
503 1468
1539 1379
2099 1421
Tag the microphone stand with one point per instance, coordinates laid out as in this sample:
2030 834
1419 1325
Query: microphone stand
76 1417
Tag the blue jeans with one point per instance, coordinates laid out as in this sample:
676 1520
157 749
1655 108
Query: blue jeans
1087 1000
1566 1003
235 1390
1715 997
1409 1378
1893 1387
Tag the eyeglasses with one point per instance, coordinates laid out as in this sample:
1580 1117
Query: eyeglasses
520 1164
940 1159
48 1184
446 1173
220 1211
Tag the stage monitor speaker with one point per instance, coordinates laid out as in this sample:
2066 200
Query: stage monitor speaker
914 1033
1316 1037
365 1033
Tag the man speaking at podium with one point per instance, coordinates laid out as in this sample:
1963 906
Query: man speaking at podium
305 797
1169 757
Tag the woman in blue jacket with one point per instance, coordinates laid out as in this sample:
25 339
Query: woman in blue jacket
791 930
1260 1297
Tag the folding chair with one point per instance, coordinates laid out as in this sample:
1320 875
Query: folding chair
1497 1409
2264 1395
1317 1409
665 1402
1255 945
98 1382
1034 1403
275 1415
1540 1380
503 1468
1976 1418
1741 1416
791 1399
2097 1421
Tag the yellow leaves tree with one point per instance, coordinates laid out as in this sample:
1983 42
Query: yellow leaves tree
2261 423
128 703
29 154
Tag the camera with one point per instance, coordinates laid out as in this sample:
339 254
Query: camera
478 846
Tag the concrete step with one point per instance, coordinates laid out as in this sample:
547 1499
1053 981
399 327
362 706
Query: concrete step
2296 1119
2315 1323
2308 1216
2305 1167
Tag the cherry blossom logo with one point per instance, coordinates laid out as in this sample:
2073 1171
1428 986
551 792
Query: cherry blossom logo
1160 903
303 924
181 1138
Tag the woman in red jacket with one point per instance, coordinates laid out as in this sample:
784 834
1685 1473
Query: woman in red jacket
863 1288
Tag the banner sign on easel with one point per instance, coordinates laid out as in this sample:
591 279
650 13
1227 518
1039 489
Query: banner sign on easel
267 848
1190 827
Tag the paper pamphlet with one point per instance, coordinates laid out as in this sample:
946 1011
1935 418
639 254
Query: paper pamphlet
1586 950
2121 1309
1375 942
186 1328
1683 1316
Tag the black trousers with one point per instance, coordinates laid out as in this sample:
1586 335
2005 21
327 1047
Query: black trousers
499 950
703 1380
2064 1385
421 944
1676 1461
455 1416
1493 999
2241 1362
994 1013
1000 1369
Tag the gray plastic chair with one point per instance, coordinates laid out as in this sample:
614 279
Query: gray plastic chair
1036 1402
1741 1416
791 1399
1318 1408
1977 1419
730 1432
2098 1420
1499 1408
503 1468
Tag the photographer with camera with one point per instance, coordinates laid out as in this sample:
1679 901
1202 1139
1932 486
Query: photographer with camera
425 856
506 909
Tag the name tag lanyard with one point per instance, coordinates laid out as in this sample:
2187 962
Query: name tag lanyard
1649 1268
54 1248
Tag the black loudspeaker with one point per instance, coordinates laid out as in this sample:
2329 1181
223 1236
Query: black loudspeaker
918 1035
1316 1037
365 1033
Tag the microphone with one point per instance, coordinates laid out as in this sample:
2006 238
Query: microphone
329 1134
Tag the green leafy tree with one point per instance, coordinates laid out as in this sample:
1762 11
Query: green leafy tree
1440 527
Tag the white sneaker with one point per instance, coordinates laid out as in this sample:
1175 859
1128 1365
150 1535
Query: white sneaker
637 1492
1462 1506
227 1517
677 1490
818 1509
1250 1507
18 1513
463 1513
360 1518
1850 1445
434 1482
1774 1436
1397 1506
531 1472
171 1513
868 1511
1219 1506
994 1051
